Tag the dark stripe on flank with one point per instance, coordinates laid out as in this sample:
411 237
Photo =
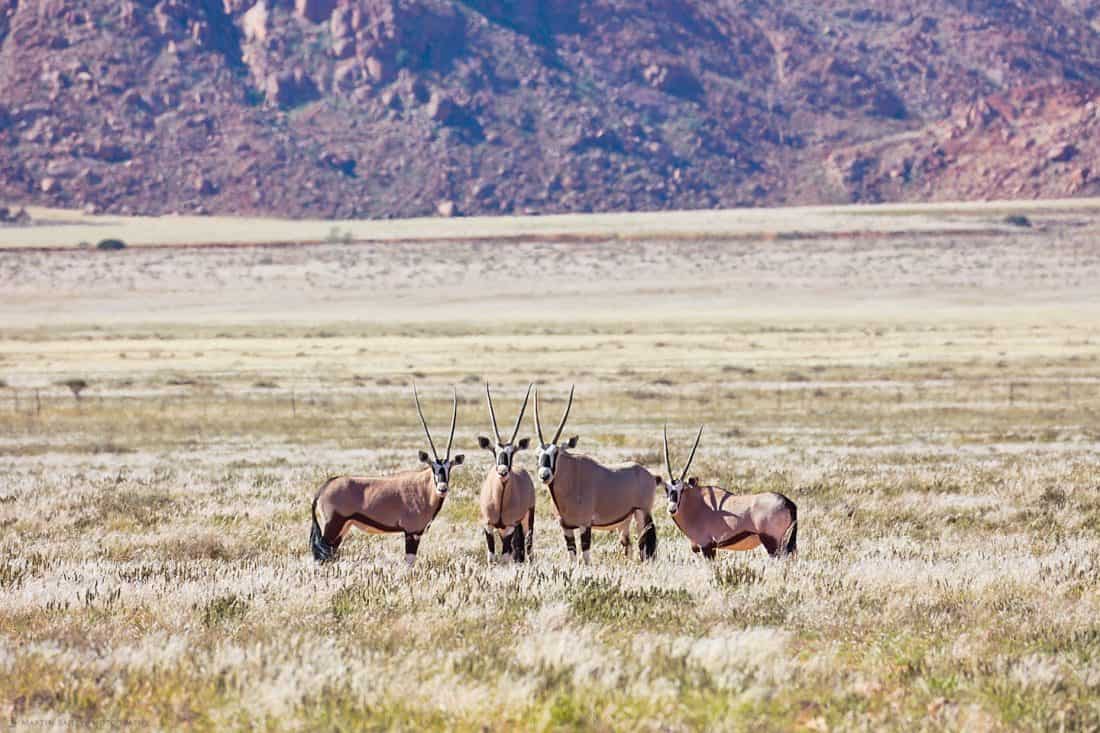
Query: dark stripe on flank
364 519
735 539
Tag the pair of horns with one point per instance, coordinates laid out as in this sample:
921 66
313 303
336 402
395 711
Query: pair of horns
493 414
564 417
454 419
668 458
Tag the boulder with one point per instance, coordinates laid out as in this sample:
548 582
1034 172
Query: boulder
290 89
315 11
675 79
1062 153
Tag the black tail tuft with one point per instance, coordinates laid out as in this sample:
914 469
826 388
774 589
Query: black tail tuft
530 533
647 543
791 547
323 551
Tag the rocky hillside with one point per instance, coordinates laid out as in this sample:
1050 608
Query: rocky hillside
410 107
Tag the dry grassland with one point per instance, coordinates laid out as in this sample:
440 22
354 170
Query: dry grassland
931 403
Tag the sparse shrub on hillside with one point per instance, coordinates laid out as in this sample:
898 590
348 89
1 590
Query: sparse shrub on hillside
110 245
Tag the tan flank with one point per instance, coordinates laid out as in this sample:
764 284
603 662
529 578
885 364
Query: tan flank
404 503
588 495
715 519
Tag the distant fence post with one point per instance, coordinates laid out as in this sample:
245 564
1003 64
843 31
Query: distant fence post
37 404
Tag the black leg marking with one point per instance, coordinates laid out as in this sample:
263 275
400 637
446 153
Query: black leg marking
570 542
695 548
518 546
709 552
531 533
490 542
771 544
586 539
412 544
647 542
506 549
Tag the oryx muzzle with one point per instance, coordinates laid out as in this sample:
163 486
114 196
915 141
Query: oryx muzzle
715 519
402 503
588 495
507 502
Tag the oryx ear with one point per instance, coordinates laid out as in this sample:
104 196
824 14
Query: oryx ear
572 442
483 442
693 482
458 460
659 480
523 444
424 457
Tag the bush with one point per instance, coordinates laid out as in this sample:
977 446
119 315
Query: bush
111 245
1018 220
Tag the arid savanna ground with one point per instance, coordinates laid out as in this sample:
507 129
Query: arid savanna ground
931 401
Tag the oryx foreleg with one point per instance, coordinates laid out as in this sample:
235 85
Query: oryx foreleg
490 543
518 546
507 541
586 544
647 535
412 545
570 540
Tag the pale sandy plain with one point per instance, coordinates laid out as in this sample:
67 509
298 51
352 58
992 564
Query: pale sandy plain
924 382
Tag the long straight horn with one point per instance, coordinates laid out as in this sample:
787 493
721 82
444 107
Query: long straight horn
420 411
538 425
522 410
568 406
492 412
454 421
692 456
668 458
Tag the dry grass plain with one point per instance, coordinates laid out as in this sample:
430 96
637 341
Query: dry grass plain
932 403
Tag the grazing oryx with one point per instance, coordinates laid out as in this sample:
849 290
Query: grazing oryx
587 494
507 495
405 502
714 519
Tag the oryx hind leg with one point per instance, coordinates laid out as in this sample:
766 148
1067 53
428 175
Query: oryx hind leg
624 536
518 545
647 535
490 543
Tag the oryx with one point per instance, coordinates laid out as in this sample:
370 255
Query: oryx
406 502
714 519
507 495
588 495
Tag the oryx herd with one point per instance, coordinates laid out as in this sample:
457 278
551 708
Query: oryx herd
586 495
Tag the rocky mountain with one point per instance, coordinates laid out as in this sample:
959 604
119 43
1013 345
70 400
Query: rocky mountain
412 107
